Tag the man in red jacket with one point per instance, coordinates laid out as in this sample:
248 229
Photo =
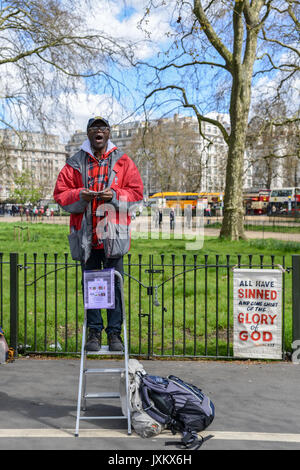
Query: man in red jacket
100 186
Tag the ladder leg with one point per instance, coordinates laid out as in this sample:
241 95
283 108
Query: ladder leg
84 382
80 377
127 380
125 352
127 397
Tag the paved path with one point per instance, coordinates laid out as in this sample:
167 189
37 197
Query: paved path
257 406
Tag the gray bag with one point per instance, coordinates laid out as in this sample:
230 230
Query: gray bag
75 238
117 240
75 243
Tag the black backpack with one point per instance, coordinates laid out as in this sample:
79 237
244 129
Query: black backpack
180 406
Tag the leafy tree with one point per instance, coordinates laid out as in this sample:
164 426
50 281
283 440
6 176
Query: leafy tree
26 189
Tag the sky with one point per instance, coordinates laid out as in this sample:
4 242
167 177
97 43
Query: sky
116 18
123 17
120 19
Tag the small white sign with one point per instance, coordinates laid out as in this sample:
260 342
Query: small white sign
99 289
257 313
97 293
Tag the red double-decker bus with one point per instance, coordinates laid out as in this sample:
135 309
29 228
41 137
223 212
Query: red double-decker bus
284 201
256 202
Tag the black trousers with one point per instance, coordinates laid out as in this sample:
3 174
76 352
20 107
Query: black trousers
97 260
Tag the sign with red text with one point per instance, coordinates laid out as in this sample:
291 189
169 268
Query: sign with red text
257 313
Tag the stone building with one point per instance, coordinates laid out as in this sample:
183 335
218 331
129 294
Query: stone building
42 155
210 153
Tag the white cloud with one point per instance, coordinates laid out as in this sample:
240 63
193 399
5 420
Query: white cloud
108 20
110 17
83 106
107 16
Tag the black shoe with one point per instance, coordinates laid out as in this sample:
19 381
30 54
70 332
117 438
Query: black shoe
115 342
94 340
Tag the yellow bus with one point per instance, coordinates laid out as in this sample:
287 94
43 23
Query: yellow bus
174 199
181 199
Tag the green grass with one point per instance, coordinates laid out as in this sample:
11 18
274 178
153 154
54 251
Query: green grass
178 323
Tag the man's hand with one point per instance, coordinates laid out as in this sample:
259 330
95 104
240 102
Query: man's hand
105 195
87 195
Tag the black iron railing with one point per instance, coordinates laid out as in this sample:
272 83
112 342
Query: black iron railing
176 306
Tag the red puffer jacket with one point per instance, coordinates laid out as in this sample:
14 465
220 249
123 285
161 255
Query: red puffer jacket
125 181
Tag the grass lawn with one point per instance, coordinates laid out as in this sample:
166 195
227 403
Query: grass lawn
183 307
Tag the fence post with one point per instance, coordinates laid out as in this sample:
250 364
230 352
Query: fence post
296 296
14 301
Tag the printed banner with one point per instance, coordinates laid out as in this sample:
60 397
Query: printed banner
99 291
257 313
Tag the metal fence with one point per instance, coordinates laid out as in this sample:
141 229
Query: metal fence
177 306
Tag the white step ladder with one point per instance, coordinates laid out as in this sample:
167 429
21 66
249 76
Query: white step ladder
84 371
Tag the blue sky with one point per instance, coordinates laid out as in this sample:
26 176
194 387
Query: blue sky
125 18
201 89
120 19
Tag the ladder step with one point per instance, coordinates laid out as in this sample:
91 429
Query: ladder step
104 351
103 417
104 371
102 395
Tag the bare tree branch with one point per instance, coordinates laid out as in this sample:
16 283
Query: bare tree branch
186 104
212 35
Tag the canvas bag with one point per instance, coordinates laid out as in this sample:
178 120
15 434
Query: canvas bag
4 346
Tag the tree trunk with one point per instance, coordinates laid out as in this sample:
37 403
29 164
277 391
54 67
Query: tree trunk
233 220
241 71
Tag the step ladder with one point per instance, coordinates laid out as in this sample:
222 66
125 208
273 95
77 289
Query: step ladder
83 396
